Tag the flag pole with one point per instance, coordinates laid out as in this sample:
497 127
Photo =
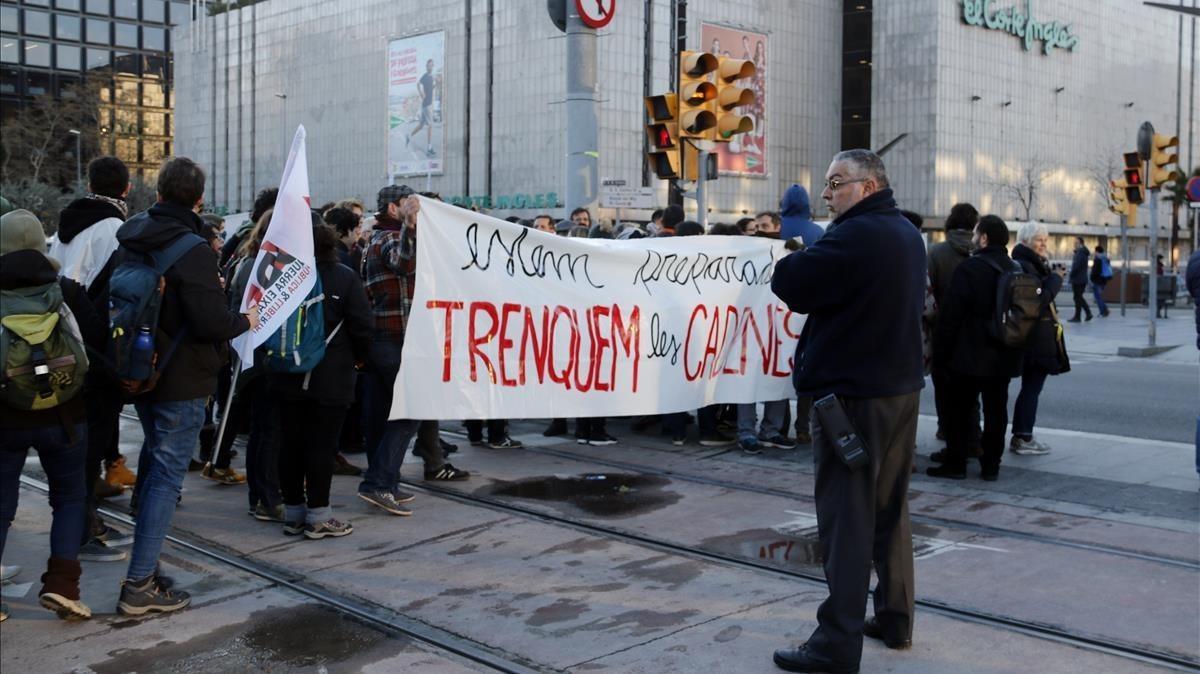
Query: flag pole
237 369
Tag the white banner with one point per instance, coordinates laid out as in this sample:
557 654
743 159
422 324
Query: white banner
284 270
510 322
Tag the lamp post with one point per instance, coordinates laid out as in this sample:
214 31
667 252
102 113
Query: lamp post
78 160
283 103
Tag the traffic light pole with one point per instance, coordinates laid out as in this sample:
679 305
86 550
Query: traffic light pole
1124 258
702 189
1152 291
582 145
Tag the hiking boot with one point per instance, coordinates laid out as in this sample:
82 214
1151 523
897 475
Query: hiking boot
264 513
8 572
447 473
556 427
330 527
105 489
715 439
96 550
749 446
1028 447
293 528
777 441
343 467
403 496
116 474
222 475
60 589
506 443
149 596
112 538
601 439
385 501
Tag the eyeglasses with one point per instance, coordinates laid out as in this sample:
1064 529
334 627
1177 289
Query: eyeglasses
835 183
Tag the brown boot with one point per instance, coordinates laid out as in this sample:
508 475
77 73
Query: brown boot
60 589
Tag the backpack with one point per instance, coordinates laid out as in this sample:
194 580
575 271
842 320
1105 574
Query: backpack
135 293
1105 268
299 344
1019 301
41 349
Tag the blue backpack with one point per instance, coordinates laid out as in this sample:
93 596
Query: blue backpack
299 344
135 293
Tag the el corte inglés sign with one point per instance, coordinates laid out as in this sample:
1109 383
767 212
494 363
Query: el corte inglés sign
1020 23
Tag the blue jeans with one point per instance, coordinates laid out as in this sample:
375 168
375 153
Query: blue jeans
387 441
1033 378
170 430
772 423
63 456
1097 291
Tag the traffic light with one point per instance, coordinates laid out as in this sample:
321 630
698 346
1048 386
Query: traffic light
732 95
691 163
663 134
696 94
1134 187
1163 162
1116 194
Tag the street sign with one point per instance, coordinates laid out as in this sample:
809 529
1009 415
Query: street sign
1193 190
596 13
1144 139
615 193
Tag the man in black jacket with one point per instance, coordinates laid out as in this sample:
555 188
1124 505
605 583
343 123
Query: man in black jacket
978 363
1078 277
194 313
863 287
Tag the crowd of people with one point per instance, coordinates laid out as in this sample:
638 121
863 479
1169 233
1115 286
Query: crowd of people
949 315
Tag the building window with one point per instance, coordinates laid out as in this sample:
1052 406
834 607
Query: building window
67 4
98 32
126 35
66 27
154 123
37 23
39 3
98 7
37 53
154 10
36 83
126 9
10 81
8 19
856 74
66 57
66 86
97 58
154 38
9 53
124 62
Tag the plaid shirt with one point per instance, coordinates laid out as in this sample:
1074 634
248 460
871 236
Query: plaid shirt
389 269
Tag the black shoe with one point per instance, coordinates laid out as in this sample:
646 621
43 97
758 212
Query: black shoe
871 629
940 456
447 473
556 427
947 472
447 448
343 467
990 474
800 659
1089 317
1073 320
601 439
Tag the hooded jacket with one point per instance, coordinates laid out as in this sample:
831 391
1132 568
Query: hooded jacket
1079 267
193 302
944 258
85 242
961 341
795 216
865 278
30 268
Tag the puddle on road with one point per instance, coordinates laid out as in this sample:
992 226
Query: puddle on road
601 494
792 549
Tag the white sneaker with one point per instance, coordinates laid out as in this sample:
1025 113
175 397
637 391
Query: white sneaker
1029 447
9 571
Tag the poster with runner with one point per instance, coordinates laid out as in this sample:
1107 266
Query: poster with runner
745 154
416 135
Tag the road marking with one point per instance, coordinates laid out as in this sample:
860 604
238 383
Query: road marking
937 546
1064 433
15 590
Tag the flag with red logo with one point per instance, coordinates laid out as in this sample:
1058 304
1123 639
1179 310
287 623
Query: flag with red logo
284 270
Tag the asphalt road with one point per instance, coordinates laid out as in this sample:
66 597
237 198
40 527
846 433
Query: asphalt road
1129 397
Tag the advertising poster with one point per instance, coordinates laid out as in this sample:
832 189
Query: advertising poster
416 134
745 154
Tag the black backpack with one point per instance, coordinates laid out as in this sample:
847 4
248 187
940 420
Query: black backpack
1019 304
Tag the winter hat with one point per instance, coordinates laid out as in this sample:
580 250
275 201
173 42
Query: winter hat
390 194
21 230
672 217
563 227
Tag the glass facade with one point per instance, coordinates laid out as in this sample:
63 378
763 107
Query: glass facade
48 47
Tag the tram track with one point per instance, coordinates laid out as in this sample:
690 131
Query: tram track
1047 632
374 615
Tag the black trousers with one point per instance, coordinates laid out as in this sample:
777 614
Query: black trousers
103 407
311 432
940 376
496 430
862 519
1080 301
963 390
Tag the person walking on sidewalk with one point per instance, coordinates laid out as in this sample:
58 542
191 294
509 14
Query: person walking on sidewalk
33 291
1078 276
194 317
870 262
1101 274
1045 353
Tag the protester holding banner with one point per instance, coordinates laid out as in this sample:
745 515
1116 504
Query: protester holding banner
313 404
193 327
867 270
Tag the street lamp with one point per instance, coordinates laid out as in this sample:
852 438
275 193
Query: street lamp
283 102
78 159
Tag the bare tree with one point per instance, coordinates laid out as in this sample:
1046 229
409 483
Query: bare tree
1105 167
37 144
1023 183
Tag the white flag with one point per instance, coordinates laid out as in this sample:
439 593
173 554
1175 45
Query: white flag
284 270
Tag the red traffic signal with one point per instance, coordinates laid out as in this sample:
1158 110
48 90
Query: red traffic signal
1133 178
